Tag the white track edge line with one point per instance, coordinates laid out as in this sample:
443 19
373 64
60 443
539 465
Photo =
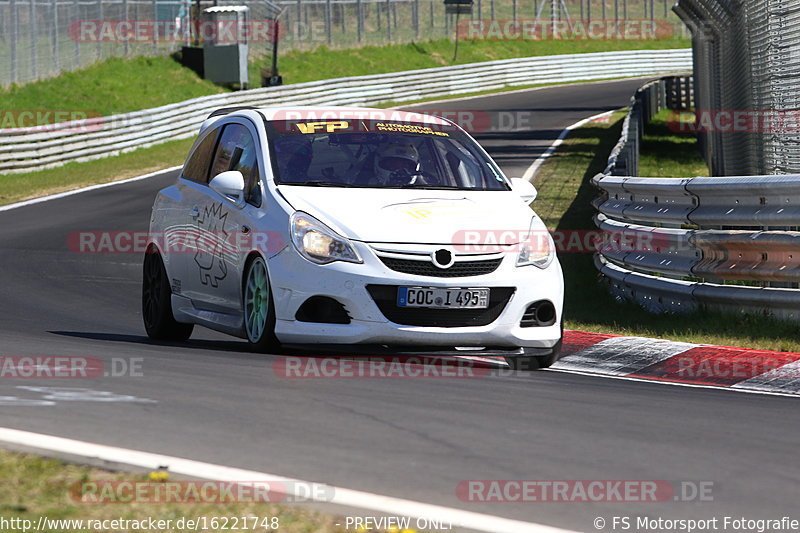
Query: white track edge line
341 496
672 383
530 173
64 194
400 105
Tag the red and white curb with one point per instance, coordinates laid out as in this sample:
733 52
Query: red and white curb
681 363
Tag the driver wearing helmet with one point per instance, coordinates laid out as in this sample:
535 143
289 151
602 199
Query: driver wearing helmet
397 164
294 156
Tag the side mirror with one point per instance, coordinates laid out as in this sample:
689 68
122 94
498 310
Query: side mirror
229 184
524 189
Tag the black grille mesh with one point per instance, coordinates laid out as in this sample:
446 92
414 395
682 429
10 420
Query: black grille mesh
427 268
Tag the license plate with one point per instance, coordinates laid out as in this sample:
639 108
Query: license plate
437 298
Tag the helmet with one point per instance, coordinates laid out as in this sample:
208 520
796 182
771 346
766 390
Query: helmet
396 164
294 154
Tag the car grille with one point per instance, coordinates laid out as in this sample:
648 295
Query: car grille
427 268
385 297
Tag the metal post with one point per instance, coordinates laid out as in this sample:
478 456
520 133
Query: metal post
328 28
553 16
624 9
360 19
76 11
99 48
514 9
298 21
56 51
415 14
34 40
431 13
155 33
491 9
14 35
125 7
589 10
455 51
388 21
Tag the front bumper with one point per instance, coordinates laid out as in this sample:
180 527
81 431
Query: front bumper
294 280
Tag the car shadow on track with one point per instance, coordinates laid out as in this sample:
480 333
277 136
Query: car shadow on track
484 360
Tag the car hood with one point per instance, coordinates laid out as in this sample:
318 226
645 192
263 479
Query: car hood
416 216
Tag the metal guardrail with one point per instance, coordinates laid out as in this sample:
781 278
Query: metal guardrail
688 243
22 150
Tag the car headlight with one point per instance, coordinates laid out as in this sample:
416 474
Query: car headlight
320 244
539 250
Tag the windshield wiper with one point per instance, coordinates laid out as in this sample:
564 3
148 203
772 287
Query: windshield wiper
430 187
317 183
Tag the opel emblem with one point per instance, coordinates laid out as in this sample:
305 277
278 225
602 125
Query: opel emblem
443 258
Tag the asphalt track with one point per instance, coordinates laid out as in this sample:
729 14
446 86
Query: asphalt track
212 400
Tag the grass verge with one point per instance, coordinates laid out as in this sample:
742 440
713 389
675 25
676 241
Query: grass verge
564 203
301 66
36 487
667 154
19 187
122 85
112 86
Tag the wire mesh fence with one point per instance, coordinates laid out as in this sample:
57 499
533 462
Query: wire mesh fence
746 70
40 38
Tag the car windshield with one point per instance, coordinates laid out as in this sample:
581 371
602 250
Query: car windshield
379 154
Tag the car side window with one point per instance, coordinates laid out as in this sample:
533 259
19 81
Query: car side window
237 151
196 167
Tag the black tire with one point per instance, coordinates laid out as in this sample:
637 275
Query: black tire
259 315
159 321
537 362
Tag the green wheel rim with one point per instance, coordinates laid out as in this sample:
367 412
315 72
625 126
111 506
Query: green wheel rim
256 300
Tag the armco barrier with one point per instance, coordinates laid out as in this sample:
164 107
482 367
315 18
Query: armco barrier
22 150
687 239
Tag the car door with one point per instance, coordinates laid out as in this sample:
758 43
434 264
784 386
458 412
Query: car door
180 239
224 228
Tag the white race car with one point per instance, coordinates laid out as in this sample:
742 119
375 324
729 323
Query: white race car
346 226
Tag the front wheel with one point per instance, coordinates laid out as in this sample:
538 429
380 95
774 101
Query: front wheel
159 321
259 310
536 362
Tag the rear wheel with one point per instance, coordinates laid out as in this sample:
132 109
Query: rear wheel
259 310
159 321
